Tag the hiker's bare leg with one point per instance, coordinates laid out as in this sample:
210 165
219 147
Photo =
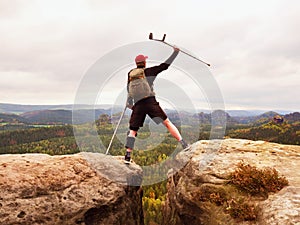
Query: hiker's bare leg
172 129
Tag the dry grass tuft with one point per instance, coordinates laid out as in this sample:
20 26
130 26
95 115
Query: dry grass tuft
257 181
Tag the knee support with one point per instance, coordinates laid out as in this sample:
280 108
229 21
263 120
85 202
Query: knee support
130 142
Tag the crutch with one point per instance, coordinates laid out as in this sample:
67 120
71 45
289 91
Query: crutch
114 134
163 41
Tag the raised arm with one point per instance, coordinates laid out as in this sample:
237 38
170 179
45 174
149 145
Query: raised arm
173 56
153 71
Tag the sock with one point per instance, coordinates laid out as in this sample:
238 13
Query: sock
128 152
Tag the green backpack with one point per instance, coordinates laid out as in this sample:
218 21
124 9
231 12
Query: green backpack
139 87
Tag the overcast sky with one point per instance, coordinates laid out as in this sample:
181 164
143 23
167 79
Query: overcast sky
47 46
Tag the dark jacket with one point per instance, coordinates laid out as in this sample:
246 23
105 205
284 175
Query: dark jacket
151 74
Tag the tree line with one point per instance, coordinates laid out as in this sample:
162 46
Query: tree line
16 137
282 133
59 140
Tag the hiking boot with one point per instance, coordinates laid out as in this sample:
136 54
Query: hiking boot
127 157
184 144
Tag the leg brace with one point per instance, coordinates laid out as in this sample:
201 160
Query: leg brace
130 142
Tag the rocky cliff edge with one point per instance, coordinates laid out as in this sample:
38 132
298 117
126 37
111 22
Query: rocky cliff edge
43 189
199 192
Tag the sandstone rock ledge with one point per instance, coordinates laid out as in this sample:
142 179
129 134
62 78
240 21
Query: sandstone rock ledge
43 189
206 165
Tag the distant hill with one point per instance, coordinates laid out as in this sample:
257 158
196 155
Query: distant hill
285 133
61 116
264 118
13 122
19 109
219 117
292 117
49 116
12 118
252 113
258 119
269 114
264 127
244 113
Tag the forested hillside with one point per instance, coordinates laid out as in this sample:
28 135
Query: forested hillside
58 139
270 127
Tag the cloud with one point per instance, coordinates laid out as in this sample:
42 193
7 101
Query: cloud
49 45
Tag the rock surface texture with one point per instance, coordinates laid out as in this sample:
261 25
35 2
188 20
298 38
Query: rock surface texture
43 189
203 176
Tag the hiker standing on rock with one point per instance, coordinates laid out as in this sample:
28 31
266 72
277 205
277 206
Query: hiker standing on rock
142 101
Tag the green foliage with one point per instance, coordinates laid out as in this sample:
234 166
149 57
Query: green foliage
284 133
152 210
10 126
257 181
16 137
54 146
153 203
58 140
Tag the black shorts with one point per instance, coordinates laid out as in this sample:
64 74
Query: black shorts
150 107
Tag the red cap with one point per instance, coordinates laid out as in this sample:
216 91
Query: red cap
141 58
